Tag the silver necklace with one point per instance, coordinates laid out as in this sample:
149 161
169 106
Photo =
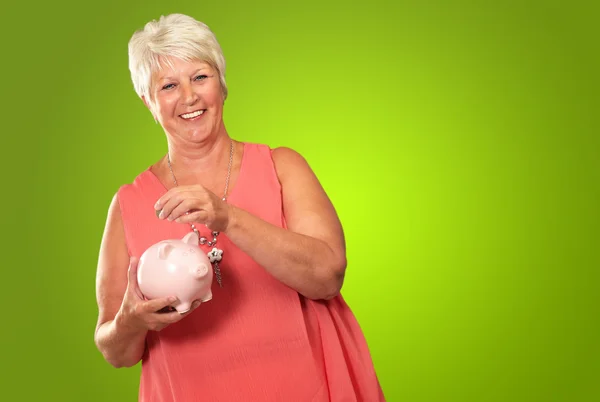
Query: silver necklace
215 255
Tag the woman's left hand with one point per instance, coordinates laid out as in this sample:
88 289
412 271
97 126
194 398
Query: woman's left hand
194 204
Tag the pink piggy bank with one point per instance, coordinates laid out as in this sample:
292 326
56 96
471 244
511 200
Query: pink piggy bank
176 268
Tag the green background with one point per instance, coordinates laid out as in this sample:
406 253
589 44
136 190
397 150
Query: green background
458 140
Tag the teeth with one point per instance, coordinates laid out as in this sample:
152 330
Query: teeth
192 115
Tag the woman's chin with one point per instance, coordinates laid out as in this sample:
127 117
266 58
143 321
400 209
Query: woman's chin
193 133
197 136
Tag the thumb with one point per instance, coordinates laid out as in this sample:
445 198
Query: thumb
132 280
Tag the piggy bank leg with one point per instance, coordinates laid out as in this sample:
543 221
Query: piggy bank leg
207 297
183 307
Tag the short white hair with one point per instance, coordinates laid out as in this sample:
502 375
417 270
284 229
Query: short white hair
173 35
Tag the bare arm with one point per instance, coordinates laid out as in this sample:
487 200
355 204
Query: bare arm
124 317
310 256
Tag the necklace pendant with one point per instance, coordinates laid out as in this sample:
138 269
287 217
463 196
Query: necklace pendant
218 274
215 255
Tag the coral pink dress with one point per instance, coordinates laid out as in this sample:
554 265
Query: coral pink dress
257 339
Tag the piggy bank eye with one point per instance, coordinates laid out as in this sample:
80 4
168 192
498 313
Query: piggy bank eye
191 250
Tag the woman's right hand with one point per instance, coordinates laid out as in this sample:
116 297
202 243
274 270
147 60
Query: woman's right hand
140 314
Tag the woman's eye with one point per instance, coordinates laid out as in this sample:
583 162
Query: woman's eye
200 77
168 86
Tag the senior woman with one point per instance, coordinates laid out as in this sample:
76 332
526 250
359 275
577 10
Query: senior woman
277 327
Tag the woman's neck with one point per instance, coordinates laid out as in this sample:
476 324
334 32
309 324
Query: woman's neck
200 162
199 157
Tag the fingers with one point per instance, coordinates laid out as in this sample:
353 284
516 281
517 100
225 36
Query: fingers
180 200
168 207
172 198
166 197
165 319
198 216
190 205
155 320
177 206
154 305
162 320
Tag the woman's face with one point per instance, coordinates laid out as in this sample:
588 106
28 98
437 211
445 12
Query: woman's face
188 101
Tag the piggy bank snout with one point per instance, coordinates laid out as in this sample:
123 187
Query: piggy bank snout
199 271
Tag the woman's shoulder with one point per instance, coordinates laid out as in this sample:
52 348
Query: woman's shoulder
283 157
280 151
287 154
290 166
289 160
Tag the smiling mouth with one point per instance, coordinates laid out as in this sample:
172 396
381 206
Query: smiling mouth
191 115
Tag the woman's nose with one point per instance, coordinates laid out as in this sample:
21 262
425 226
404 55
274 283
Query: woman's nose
189 95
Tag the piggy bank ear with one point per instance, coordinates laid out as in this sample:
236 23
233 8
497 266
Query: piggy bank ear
191 238
164 250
